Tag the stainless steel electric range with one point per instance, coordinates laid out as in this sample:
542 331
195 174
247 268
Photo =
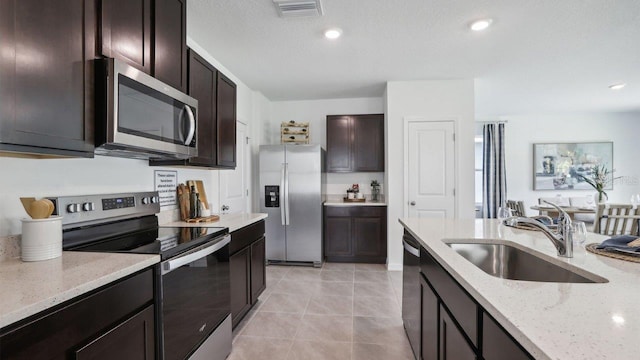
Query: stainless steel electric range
191 282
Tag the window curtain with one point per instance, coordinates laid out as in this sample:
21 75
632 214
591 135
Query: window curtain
494 181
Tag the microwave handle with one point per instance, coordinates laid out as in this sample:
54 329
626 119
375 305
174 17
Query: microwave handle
192 125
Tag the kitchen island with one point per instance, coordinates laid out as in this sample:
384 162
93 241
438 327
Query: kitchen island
549 320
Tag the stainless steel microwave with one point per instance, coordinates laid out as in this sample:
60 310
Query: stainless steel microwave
138 116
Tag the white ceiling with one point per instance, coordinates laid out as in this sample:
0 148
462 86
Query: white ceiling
539 56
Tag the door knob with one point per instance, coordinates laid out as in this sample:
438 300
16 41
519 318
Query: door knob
225 207
413 203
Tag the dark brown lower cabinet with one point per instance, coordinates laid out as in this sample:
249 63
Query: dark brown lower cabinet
132 339
248 273
497 344
355 234
240 264
429 319
453 325
453 345
258 271
115 322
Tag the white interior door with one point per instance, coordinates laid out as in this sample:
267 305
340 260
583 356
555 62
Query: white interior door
234 185
430 159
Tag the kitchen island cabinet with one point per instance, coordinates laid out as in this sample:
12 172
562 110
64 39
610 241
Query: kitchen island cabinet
513 319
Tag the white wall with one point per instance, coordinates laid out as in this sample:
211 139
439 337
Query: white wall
433 100
315 112
101 175
521 132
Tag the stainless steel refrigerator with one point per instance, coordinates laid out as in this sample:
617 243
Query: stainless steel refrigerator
291 187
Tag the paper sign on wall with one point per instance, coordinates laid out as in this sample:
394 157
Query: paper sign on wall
165 183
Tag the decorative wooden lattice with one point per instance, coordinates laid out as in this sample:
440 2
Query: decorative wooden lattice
292 132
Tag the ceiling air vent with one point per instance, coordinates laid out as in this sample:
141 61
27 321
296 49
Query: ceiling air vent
297 8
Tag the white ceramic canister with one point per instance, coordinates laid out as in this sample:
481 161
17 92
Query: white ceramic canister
41 239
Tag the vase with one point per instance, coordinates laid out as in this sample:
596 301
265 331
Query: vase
600 198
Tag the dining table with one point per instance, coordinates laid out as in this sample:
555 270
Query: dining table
570 210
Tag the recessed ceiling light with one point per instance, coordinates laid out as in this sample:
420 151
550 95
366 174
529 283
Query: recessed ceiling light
480 25
617 86
333 34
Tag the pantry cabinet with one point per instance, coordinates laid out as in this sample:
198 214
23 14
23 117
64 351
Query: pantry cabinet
355 143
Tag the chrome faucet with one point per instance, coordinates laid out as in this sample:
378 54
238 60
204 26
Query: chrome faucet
562 239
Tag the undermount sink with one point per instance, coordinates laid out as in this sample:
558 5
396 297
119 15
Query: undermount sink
508 262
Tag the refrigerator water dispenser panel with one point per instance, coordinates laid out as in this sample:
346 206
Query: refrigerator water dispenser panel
272 196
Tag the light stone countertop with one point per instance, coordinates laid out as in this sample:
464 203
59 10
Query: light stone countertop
337 200
232 221
550 320
31 287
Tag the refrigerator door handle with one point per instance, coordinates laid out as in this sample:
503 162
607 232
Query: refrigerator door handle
282 195
286 193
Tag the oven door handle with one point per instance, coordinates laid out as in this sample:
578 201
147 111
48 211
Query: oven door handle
193 255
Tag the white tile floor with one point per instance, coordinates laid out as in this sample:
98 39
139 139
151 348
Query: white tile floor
342 311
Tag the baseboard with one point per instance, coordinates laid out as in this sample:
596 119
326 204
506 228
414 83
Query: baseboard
394 267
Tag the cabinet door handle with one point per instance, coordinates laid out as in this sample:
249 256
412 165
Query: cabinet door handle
413 203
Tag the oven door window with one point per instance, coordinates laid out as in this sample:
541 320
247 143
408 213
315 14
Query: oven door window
195 300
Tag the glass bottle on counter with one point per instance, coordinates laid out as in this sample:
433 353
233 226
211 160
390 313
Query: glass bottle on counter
194 203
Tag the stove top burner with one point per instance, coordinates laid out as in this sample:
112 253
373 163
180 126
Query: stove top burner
125 222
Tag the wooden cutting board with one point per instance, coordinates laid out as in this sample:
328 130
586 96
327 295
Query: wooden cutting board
204 219
202 193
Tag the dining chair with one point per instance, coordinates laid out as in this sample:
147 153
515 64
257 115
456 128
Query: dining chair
517 207
617 219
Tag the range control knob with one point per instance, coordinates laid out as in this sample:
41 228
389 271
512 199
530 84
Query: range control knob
88 206
145 200
154 199
73 208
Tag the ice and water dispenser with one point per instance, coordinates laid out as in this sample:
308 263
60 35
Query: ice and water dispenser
272 196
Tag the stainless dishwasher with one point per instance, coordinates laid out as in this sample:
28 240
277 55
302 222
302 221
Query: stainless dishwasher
411 292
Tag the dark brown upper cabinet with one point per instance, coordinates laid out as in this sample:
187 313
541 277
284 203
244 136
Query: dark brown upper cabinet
150 35
125 28
226 122
202 87
355 143
46 77
170 43
216 127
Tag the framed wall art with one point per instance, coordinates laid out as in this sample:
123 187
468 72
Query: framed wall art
561 166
